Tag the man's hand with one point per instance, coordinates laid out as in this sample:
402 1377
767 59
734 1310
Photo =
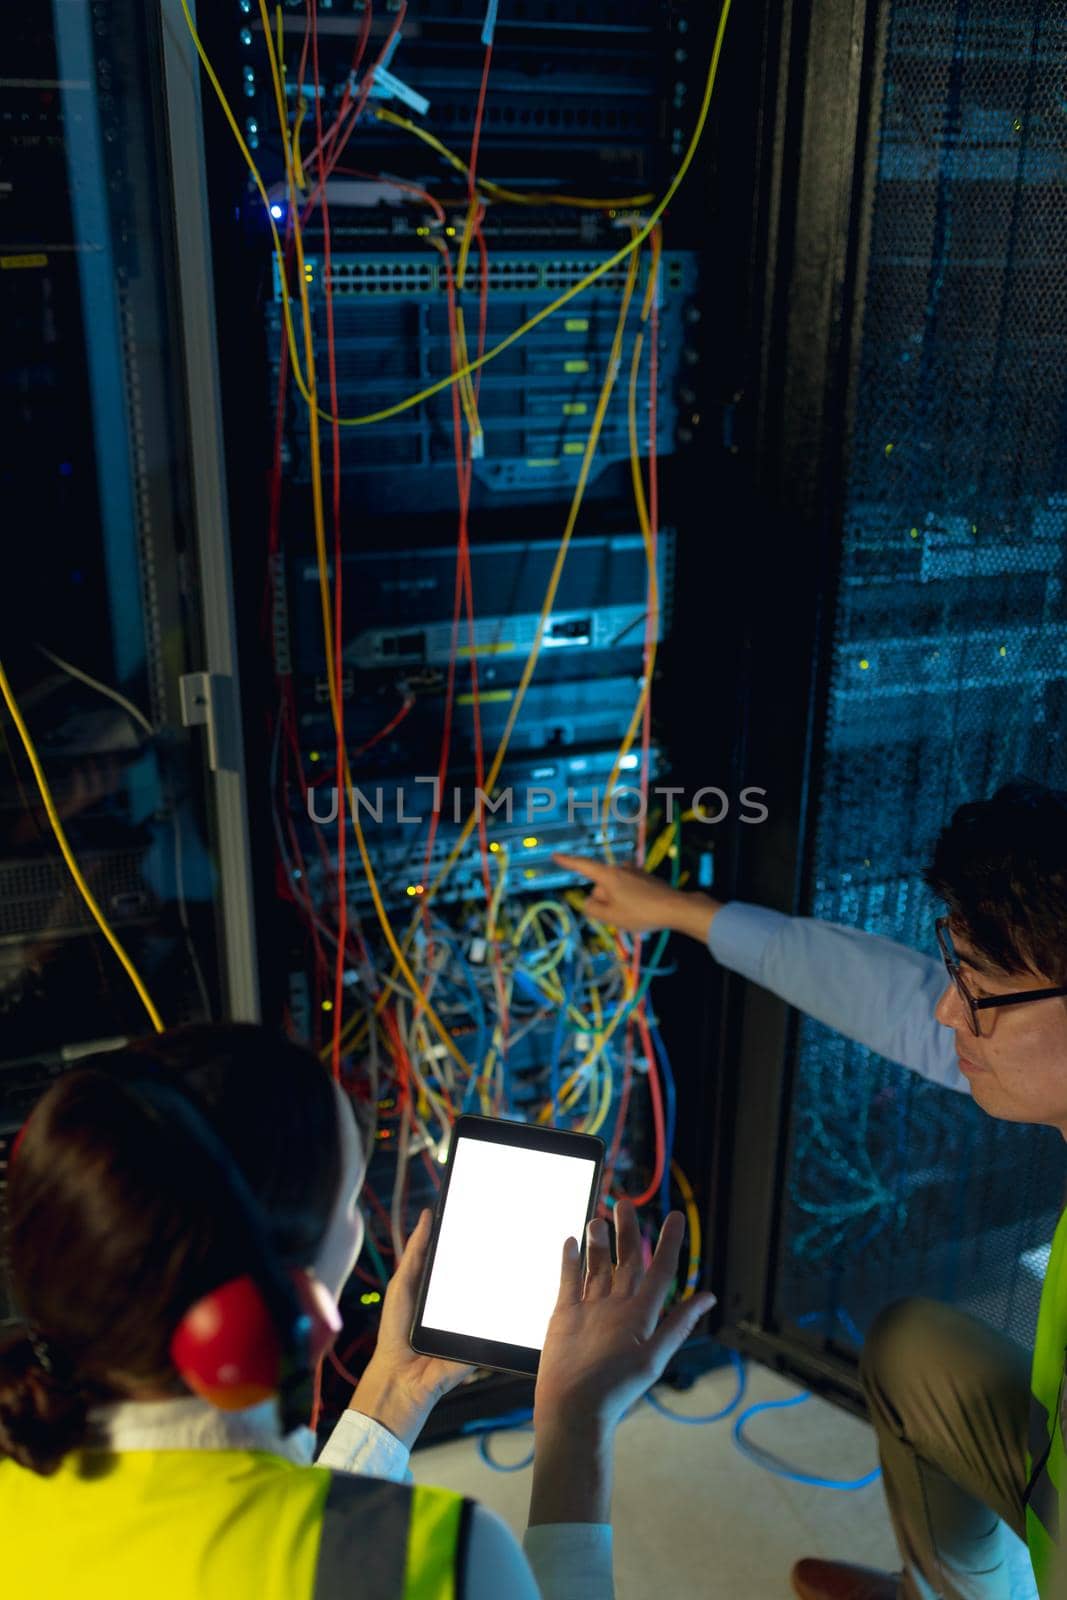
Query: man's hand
604 1347
632 900
399 1388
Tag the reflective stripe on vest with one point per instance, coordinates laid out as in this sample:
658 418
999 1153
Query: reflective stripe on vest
385 1540
224 1525
1047 1460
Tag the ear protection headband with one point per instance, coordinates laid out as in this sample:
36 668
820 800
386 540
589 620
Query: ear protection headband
256 1335
259 1334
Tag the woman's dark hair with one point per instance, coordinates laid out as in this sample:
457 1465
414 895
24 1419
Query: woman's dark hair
118 1221
1001 867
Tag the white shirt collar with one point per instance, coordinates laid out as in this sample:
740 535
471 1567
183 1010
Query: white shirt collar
193 1424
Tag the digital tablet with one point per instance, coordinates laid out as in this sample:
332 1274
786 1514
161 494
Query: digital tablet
511 1195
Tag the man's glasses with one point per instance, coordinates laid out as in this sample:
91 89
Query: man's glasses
973 1002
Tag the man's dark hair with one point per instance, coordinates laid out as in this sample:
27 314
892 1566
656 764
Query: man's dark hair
1001 867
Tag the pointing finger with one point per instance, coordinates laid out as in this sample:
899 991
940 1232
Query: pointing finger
597 871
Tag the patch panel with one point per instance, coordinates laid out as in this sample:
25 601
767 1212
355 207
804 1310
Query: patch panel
543 805
535 402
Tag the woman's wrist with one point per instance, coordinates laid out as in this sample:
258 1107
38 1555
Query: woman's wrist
572 1474
390 1406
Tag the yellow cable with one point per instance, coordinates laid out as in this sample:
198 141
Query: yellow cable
572 1087
466 388
601 1116
662 847
68 855
496 190
455 376
319 519
693 1217
645 524
553 582
547 311
301 113
261 187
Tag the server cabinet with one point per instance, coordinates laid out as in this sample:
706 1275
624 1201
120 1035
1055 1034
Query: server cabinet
910 442
116 634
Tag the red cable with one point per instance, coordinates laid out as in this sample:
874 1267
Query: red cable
383 733
657 1110
624 1104
640 1016
357 59
338 580
464 477
316 1397
340 142
337 1366
653 518
368 1193
396 183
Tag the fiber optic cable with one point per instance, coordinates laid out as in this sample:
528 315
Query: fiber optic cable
335 465
564 299
496 191
324 590
68 855
554 578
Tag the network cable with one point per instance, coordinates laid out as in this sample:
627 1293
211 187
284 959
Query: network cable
771 1464
713 1416
67 853
584 283
399 1002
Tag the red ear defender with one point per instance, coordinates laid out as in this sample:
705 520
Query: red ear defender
227 1347
16 1142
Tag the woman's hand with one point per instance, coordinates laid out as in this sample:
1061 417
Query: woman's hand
634 901
604 1347
399 1389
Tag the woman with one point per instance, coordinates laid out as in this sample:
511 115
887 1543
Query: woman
226 1156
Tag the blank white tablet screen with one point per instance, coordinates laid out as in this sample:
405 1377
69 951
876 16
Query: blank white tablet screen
500 1245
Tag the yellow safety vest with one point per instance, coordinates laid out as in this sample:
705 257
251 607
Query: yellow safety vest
1046 1492
223 1525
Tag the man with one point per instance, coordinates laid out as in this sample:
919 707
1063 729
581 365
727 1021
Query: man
969 1427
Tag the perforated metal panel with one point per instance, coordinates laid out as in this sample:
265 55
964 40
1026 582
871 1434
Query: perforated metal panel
950 647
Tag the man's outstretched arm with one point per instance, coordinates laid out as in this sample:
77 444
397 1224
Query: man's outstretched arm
873 990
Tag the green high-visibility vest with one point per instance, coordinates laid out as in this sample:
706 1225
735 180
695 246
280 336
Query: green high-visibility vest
224 1525
1046 1493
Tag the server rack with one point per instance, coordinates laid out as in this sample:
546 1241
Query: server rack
913 407
116 626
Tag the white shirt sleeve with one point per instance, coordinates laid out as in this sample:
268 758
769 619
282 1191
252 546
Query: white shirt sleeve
562 1561
361 1445
875 991
572 1560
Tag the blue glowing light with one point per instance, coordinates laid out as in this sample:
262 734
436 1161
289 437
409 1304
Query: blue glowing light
277 211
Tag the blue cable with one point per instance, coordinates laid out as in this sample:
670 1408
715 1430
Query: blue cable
482 1041
836 1314
484 1440
764 1459
669 1117
715 1416
510 1419
560 1028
